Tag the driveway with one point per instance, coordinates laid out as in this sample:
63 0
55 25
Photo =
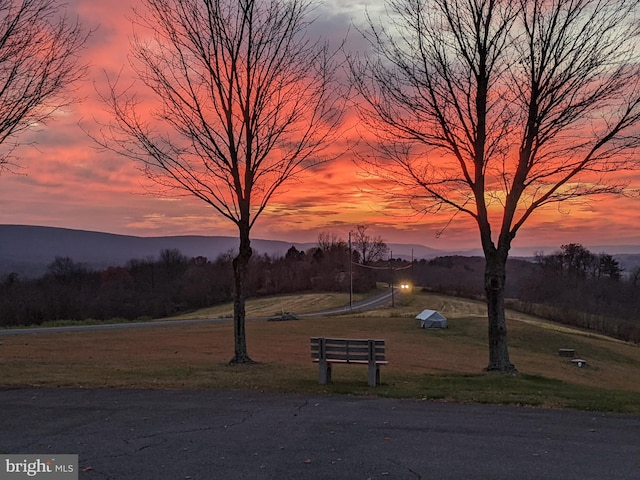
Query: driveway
169 435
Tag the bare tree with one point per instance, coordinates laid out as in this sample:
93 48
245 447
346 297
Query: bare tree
331 242
496 109
245 101
39 60
370 249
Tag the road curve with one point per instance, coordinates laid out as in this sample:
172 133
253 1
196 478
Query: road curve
372 303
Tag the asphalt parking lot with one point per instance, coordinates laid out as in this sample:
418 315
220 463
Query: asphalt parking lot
157 435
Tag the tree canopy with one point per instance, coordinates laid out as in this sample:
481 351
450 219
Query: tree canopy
493 110
243 100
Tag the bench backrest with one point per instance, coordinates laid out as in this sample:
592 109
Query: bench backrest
348 350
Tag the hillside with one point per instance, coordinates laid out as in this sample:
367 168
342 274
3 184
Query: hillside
27 250
436 364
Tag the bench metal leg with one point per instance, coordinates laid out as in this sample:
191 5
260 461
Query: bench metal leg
374 369
324 373
374 374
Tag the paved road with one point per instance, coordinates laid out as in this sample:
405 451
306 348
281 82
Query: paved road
168 435
377 301
368 304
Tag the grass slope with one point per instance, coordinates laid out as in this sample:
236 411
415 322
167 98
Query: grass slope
445 365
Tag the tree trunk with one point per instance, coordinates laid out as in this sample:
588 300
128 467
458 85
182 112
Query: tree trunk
495 276
240 272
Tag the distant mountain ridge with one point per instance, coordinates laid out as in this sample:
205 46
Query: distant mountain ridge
27 250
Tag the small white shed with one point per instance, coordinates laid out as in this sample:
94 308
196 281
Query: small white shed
431 319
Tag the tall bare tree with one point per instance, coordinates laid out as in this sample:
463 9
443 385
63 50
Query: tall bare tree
39 60
245 100
370 249
494 109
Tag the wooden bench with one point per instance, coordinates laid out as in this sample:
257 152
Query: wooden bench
327 351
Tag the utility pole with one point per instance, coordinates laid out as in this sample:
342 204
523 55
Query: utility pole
393 299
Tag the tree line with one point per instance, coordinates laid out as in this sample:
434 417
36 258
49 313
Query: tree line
572 286
172 283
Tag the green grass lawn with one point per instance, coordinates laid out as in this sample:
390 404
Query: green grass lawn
444 365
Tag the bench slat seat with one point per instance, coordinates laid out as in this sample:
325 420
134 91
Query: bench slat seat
326 351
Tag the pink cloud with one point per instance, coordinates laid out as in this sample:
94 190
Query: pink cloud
67 182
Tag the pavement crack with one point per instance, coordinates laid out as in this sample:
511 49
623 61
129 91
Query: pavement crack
149 445
241 421
416 474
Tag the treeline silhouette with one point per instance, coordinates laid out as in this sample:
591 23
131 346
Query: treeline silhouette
572 286
168 285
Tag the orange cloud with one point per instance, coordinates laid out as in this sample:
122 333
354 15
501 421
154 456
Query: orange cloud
67 182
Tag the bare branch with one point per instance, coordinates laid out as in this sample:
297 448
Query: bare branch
496 109
39 60
244 101
452 88
370 249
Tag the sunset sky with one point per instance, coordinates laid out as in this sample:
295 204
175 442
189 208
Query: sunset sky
66 182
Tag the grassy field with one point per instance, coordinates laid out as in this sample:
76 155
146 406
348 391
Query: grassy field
270 306
445 365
